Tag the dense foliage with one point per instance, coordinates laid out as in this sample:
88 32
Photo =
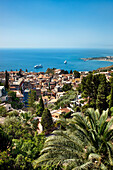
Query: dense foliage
83 140
4 140
85 144
46 120
65 100
14 101
67 87
49 70
19 142
31 100
76 74
40 107
96 89
3 111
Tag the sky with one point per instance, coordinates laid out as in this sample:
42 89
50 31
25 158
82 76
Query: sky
56 23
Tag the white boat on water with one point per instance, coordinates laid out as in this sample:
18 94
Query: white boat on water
65 62
38 66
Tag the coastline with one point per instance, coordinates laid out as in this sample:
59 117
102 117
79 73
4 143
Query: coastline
27 59
107 58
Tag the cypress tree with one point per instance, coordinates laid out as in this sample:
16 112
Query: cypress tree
76 74
71 71
20 73
111 98
6 80
87 86
41 104
95 84
31 99
40 107
101 103
46 120
111 93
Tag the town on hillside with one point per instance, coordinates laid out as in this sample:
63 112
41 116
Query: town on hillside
51 86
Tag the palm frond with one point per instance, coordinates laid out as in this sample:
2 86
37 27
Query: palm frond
84 166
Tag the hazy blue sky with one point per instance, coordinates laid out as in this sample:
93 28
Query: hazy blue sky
56 23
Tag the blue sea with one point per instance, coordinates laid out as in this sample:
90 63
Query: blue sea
15 59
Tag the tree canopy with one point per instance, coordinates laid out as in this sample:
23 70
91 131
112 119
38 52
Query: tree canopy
76 74
86 143
6 80
46 120
67 87
40 107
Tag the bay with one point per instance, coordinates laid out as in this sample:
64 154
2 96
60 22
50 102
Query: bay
15 59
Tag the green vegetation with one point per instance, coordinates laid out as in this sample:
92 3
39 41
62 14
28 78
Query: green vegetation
46 120
40 107
96 89
64 72
76 74
65 100
66 115
13 113
31 101
4 140
20 73
101 103
50 70
85 144
3 111
19 142
67 87
71 71
14 101
110 97
82 140
6 80
13 127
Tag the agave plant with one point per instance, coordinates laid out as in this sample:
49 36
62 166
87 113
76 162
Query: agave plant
86 143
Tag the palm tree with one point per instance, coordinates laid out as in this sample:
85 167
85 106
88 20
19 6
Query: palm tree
29 122
86 143
26 117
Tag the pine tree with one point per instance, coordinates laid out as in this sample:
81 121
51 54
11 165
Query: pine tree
46 120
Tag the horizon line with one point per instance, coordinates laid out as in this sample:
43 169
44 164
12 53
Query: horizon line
56 48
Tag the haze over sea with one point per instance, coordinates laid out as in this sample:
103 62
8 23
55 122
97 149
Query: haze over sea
15 59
